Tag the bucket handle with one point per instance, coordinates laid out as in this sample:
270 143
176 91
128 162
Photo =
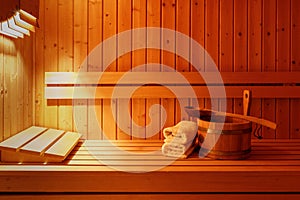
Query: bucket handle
258 131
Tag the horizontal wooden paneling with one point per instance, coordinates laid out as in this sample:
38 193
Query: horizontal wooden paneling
240 36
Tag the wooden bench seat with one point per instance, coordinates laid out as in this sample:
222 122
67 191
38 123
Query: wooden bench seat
272 172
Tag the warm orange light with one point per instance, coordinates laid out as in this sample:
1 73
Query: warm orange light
12 25
7 34
5 28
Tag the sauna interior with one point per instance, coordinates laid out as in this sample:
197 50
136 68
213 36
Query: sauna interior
254 45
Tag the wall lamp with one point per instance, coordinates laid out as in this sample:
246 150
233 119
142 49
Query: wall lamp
18 17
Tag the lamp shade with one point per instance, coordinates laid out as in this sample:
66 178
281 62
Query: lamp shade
18 17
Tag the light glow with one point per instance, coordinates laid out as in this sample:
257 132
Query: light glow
19 25
22 23
12 25
5 28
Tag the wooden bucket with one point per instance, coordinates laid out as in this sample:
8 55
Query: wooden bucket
232 141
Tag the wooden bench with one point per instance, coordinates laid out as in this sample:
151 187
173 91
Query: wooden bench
271 172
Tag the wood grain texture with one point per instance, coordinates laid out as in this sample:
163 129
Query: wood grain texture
283 63
198 34
51 57
95 37
153 56
255 47
39 100
268 59
65 58
1 89
240 43
255 36
124 65
139 17
154 196
168 20
110 27
295 55
80 44
212 31
218 176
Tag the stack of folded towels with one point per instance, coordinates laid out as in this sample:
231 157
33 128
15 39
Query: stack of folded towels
180 140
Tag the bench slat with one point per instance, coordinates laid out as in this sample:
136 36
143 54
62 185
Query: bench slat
20 139
63 146
41 143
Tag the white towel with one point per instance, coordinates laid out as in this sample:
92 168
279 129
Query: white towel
179 150
180 139
184 132
174 149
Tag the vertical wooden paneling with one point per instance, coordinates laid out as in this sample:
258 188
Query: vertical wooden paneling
295 55
153 56
138 59
40 68
167 58
182 65
226 43
95 37
240 35
268 59
212 40
110 27
10 62
198 34
283 64
80 54
28 81
51 57
255 47
240 44
65 59
1 88
21 86
124 65
16 85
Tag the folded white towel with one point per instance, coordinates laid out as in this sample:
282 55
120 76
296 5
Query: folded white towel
183 132
179 150
174 149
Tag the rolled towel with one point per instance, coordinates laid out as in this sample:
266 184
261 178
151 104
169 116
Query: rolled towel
183 132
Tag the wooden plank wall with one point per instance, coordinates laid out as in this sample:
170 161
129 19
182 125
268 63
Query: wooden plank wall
240 35
16 85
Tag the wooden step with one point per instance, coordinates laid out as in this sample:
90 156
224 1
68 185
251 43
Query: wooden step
15 142
64 146
38 144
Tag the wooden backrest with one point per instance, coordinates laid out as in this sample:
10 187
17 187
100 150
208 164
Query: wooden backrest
61 85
